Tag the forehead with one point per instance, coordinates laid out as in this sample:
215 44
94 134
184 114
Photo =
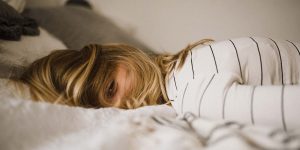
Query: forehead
123 71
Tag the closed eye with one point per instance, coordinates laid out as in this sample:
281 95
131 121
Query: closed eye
112 89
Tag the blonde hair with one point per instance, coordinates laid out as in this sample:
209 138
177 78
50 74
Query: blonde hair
168 62
81 78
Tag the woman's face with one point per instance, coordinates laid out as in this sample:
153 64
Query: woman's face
121 84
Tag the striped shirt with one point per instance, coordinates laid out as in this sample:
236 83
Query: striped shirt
252 80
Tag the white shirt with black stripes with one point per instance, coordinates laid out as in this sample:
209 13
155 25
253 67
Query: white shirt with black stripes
251 80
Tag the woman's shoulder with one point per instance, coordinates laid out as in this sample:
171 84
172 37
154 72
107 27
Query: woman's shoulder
246 43
253 58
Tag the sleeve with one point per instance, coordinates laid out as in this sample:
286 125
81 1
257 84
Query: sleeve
276 105
221 96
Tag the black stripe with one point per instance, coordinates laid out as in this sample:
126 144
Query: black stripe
183 97
294 46
171 123
166 119
261 68
222 126
223 109
280 61
175 81
192 64
247 141
282 109
236 124
214 58
237 56
204 93
251 109
157 121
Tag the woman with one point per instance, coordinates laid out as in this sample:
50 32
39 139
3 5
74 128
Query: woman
224 80
97 76
253 80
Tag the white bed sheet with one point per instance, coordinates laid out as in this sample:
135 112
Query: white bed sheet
28 125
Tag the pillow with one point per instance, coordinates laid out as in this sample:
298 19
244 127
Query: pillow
78 26
18 5
16 55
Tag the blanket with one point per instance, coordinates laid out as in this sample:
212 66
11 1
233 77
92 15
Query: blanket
13 25
28 125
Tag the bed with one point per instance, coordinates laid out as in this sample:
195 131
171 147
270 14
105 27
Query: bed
28 125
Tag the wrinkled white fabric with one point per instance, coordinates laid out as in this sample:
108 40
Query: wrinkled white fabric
28 125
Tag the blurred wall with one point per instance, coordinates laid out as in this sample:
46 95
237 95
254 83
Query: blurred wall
169 25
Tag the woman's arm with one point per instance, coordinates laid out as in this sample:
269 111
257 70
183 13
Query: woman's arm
276 105
220 96
250 80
